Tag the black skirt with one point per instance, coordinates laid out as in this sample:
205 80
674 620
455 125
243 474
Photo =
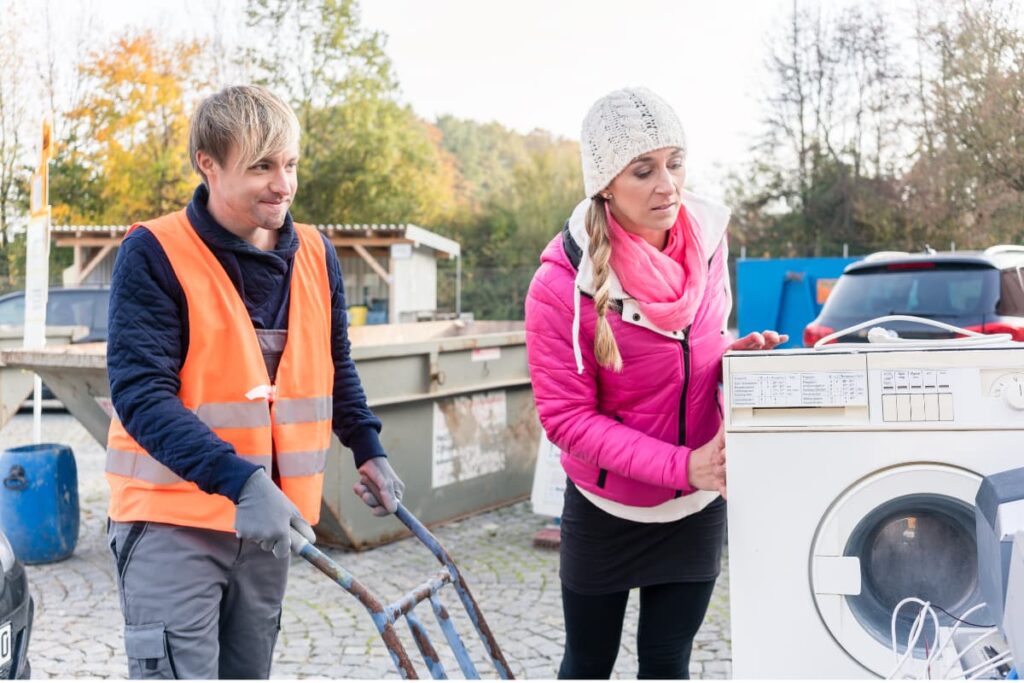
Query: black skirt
601 553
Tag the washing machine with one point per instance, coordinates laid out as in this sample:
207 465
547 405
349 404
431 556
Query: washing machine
851 482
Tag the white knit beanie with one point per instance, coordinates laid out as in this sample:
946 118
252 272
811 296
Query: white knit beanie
621 126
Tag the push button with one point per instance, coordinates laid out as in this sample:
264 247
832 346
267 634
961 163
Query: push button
889 408
903 408
946 407
917 407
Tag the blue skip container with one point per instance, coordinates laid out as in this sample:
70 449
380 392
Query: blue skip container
39 501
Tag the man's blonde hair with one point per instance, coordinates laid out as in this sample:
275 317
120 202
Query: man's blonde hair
249 118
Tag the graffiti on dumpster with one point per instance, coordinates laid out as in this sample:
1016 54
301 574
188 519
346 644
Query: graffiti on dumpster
468 433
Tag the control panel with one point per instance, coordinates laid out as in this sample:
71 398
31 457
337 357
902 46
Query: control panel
916 395
799 389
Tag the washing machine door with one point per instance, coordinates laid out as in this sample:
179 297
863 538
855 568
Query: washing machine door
907 531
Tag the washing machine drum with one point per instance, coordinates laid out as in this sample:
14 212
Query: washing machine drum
904 532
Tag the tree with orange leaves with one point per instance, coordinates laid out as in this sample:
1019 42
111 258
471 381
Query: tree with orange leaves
131 131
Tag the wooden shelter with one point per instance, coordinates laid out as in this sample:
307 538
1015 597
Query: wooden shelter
388 268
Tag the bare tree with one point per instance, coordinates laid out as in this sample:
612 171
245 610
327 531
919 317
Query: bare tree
969 175
13 117
829 141
221 42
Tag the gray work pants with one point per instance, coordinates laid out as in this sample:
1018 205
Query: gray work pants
196 603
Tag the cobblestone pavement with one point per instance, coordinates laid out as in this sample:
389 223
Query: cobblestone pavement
326 633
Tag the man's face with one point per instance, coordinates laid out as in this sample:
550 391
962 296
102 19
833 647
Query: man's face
254 196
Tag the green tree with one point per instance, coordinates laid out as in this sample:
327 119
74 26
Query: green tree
364 158
488 154
522 189
374 161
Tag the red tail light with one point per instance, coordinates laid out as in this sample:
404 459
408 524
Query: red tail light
1016 333
813 332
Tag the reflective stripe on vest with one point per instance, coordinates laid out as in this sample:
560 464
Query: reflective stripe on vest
302 463
225 383
237 415
296 410
234 415
147 468
138 464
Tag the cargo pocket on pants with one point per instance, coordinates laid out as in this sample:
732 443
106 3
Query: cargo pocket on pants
148 653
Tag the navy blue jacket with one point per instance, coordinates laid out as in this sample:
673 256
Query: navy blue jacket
149 337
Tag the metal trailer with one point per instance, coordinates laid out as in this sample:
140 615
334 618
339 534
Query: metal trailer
385 616
460 425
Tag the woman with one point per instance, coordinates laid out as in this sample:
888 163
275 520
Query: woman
625 329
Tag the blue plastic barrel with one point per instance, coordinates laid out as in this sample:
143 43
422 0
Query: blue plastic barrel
39 501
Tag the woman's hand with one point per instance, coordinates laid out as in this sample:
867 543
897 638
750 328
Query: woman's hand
706 468
759 341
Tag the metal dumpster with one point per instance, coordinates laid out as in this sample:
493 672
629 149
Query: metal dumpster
784 294
15 383
460 425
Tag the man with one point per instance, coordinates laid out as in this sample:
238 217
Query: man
229 365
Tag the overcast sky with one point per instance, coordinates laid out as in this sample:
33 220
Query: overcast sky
536 64
541 63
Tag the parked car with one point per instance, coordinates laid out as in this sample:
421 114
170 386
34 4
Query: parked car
16 613
82 306
979 291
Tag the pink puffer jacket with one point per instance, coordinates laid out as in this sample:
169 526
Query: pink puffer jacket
618 432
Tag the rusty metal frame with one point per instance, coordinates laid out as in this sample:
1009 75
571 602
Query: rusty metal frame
385 616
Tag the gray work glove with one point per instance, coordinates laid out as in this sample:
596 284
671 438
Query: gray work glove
379 486
264 514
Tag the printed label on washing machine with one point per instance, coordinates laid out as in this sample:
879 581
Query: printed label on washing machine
799 389
928 381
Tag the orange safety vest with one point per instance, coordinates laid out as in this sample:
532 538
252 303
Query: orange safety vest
224 381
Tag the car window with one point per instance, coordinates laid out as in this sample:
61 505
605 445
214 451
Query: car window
70 308
77 308
941 292
1011 296
101 304
12 311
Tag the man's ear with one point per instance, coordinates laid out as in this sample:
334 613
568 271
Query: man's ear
206 163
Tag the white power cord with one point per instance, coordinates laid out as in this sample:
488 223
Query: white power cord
939 645
977 671
970 646
886 339
916 629
949 637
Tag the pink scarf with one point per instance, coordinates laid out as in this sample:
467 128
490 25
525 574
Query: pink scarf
669 284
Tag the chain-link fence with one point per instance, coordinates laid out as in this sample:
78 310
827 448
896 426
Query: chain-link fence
489 293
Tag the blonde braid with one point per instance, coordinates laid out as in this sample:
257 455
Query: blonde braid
600 251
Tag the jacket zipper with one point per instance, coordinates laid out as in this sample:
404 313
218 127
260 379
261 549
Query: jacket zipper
602 474
685 341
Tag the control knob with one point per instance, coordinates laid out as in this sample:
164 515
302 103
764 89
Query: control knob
1011 388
